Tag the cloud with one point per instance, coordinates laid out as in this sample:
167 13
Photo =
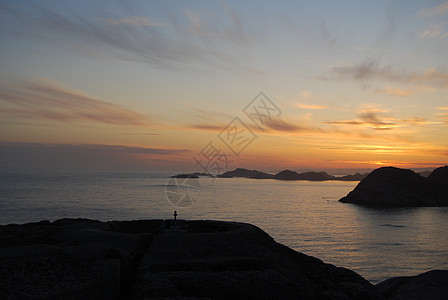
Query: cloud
371 69
232 31
140 134
45 99
207 127
442 108
203 119
42 156
134 20
438 10
179 38
310 106
285 126
437 31
371 116
309 97
395 92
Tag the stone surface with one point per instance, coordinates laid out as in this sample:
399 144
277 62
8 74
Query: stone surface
222 260
153 259
68 259
430 285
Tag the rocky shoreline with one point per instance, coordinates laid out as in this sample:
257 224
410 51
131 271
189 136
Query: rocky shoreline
157 259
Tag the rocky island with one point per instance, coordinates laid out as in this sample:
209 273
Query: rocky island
390 186
164 259
282 175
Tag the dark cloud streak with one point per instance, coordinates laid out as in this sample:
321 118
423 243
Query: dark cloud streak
371 69
49 100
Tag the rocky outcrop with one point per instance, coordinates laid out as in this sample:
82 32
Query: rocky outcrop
354 177
192 175
156 259
390 186
240 172
84 259
429 285
290 175
438 184
70 259
225 260
312 176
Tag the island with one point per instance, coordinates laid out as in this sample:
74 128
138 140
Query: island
167 259
192 175
282 175
390 186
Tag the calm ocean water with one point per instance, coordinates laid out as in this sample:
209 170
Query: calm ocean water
306 216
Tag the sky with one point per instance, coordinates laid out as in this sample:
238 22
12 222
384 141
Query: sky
214 85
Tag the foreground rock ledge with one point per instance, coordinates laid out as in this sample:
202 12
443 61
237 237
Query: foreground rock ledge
85 259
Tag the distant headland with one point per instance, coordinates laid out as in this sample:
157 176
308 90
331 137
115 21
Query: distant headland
390 186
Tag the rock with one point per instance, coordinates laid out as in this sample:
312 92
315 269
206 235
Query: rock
240 172
430 285
222 260
390 186
289 175
354 177
85 259
185 176
312 176
193 175
438 182
70 259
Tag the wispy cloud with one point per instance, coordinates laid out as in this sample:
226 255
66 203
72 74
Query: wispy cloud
308 97
134 20
395 92
399 92
438 10
283 125
437 31
45 99
376 118
175 39
310 106
142 134
43 156
371 69
233 32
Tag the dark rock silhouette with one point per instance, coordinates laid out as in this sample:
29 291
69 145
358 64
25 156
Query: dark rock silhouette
313 176
240 172
390 186
150 259
438 182
354 177
224 260
290 175
192 175
84 259
429 285
70 259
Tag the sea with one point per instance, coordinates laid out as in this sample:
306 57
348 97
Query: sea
377 243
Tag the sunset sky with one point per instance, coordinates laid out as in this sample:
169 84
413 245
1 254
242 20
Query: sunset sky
148 85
